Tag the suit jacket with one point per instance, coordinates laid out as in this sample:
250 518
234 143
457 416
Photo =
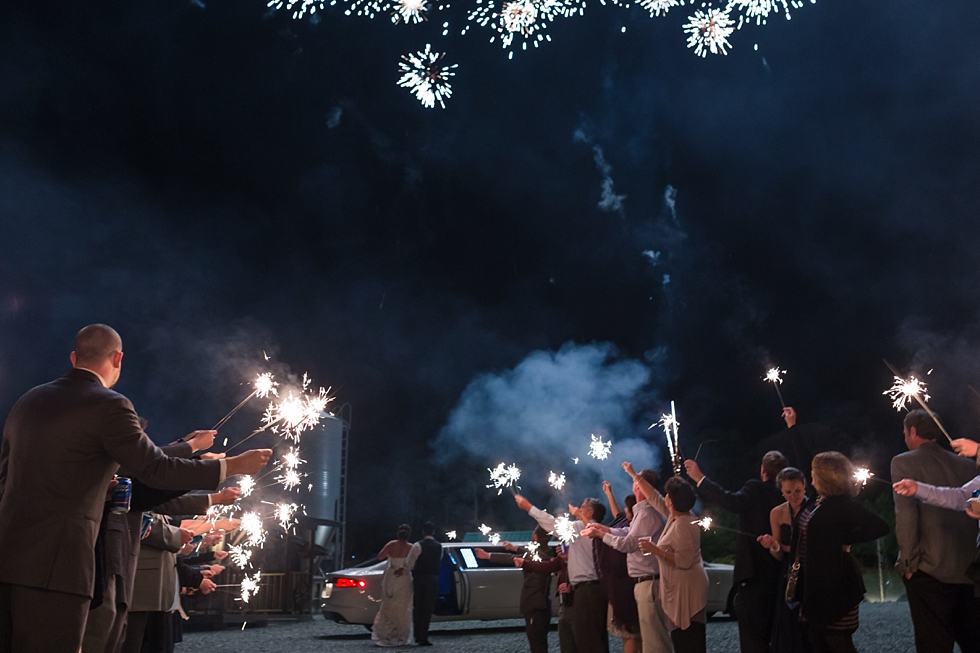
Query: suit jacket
934 540
752 504
62 442
832 582
536 590
155 589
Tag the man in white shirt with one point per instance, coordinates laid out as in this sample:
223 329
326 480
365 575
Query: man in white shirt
588 604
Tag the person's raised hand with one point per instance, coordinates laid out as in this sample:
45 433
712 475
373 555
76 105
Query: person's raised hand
906 488
250 462
508 546
200 440
185 537
965 447
522 503
518 561
481 554
220 555
207 586
573 511
226 497
693 470
607 488
628 468
789 416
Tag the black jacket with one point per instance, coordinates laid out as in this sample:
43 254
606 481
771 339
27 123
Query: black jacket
752 504
536 591
832 582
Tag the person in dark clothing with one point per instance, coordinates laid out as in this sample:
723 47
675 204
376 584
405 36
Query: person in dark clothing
557 565
756 573
830 578
614 578
423 560
536 590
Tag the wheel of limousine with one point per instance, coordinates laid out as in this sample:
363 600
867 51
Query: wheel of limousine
732 605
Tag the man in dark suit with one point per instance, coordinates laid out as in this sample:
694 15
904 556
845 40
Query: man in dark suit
424 559
756 572
62 443
935 545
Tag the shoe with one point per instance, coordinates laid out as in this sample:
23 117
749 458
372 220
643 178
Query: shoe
424 643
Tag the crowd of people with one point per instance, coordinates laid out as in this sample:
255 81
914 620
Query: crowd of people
74 576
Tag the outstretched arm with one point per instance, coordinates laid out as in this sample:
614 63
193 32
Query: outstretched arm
613 507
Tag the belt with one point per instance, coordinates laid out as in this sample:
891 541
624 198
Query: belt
643 579
584 583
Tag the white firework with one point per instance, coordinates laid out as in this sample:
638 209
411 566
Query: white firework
598 449
451 535
556 481
298 7
709 31
658 7
759 10
250 586
426 77
504 476
246 484
254 530
565 529
485 530
409 11
284 514
240 556
522 18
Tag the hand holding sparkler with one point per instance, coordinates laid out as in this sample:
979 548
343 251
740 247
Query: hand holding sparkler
965 447
226 497
693 471
628 468
775 376
250 462
200 440
523 503
789 416
906 488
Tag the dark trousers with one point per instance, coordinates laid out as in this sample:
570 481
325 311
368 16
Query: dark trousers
426 588
943 613
826 640
135 629
566 638
692 639
105 628
589 613
756 608
536 625
33 620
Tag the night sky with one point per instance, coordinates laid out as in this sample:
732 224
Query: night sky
586 232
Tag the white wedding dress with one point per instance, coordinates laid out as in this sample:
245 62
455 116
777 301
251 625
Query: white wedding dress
393 623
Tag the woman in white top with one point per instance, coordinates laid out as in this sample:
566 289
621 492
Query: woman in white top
393 623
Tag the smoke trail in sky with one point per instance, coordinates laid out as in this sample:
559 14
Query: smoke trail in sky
610 201
670 199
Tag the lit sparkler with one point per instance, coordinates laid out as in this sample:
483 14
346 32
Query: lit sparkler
709 31
290 479
409 11
451 535
557 481
575 460
494 538
656 7
240 556
284 514
426 77
598 449
670 424
485 530
246 484
250 586
565 529
253 529
532 550
862 475
707 523
264 384
903 391
504 476
775 377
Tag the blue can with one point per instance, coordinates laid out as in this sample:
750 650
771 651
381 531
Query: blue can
121 495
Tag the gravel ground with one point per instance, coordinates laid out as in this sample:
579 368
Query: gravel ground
885 628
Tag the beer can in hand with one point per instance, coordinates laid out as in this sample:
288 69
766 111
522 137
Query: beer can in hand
121 495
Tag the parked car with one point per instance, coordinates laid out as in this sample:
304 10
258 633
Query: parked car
468 588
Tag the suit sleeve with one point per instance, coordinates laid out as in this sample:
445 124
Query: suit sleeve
546 567
906 523
126 443
188 504
163 536
502 559
737 502
865 526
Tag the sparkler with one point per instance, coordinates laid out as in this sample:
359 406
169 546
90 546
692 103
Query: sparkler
670 424
293 415
575 460
263 384
246 484
532 550
428 80
451 535
564 529
557 481
504 476
253 529
494 538
250 586
709 31
485 530
598 449
707 523
290 479
902 391
240 556
284 514
775 376
862 475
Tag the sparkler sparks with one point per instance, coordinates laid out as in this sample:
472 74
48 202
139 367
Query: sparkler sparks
705 523
670 424
599 449
409 11
522 18
532 550
709 31
265 385
451 535
557 481
253 529
504 476
656 7
428 80
284 514
246 484
290 479
485 530
903 392
298 7
862 475
565 529
494 538
575 460
297 413
250 586
774 375
240 556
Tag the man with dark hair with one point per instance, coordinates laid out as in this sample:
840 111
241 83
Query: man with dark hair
935 545
423 560
62 443
756 572
643 569
588 605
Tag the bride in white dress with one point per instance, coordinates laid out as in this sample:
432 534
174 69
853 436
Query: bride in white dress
393 623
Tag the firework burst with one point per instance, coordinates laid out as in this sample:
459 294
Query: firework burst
524 19
299 7
709 31
426 77
658 7
410 12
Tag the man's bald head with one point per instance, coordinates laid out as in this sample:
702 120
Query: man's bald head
95 344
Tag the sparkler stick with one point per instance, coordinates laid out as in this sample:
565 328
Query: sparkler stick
504 476
903 390
263 386
670 424
774 376
862 475
698 452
